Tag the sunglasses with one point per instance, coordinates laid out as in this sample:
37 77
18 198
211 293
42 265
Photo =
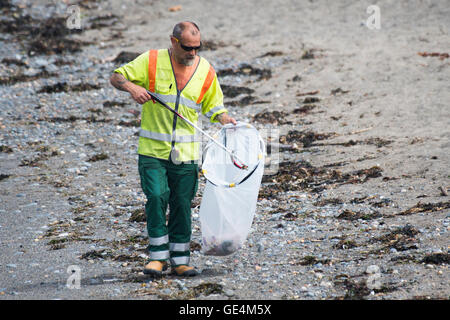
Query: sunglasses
186 48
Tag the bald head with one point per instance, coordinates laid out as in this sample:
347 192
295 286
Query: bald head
186 42
185 26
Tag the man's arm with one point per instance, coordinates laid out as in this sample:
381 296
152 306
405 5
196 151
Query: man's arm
119 82
138 93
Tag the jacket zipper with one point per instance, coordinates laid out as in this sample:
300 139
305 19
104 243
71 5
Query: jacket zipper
175 118
177 101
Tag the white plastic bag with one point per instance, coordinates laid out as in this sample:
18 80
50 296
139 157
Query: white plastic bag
229 199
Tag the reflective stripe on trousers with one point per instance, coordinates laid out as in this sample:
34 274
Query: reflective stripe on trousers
173 247
179 246
159 241
159 255
175 261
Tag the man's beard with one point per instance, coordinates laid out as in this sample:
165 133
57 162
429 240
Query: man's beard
188 61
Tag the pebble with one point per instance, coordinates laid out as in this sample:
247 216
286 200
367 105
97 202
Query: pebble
372 269
327 284
166 291
228 292
143 256
95 281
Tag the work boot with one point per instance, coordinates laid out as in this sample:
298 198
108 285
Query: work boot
155 268
184 271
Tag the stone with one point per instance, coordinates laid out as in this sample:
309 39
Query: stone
228 292
372 269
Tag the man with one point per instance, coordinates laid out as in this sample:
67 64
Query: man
168 146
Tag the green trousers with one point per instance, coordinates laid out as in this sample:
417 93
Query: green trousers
168 184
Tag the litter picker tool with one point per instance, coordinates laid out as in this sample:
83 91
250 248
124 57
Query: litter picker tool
236 160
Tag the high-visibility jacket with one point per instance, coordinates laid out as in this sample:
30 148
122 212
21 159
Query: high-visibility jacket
163 135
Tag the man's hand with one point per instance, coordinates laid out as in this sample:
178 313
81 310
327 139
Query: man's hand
224 118
138 93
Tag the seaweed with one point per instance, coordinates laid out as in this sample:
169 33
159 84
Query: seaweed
378 142
274 117
338 90
44 153
345 244
242 102
210 45
308 100
4 176
305 109
73 118
437 258
64 87
306 138
308 54
246 70
110 104
355 290
131 123
5 149
358 290
205 289
311 260
10 61
49 36
234 91
301 175
401 239
98 157
272 54
138 215
105 21
96 254
426 207
441 56
301 94
19 77
325 202
351 215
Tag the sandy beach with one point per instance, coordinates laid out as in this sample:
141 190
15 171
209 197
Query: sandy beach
359 112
